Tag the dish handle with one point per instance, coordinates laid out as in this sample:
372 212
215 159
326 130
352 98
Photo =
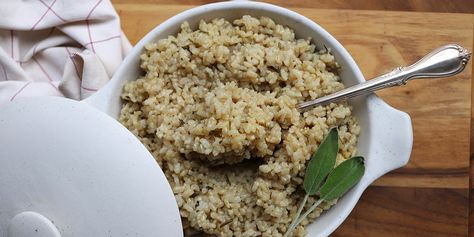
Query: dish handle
107 99
391 137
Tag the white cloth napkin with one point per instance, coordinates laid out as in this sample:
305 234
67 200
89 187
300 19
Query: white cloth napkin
64 48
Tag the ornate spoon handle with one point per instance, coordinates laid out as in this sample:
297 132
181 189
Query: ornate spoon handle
445 61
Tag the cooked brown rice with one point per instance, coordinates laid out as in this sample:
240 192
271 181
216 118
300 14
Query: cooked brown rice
216 108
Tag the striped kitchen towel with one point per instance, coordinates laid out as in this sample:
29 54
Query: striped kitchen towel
63 48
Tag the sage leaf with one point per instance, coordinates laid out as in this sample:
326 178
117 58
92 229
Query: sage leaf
342 178
321 163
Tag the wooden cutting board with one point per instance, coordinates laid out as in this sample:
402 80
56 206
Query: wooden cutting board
430 196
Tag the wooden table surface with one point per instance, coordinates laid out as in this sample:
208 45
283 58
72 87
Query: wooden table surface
430 196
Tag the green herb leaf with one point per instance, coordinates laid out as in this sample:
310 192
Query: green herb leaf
344 177
321 163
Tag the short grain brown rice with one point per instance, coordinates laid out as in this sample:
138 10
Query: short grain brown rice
216 108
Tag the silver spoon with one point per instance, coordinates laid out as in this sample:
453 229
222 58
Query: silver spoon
445 61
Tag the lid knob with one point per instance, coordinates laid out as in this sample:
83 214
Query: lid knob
32 224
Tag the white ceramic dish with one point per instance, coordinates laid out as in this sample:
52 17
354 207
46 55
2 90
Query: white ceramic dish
386 133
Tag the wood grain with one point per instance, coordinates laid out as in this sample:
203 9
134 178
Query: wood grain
471 183
459 6
380 41
408 212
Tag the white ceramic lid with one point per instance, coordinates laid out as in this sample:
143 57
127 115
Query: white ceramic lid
67 169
